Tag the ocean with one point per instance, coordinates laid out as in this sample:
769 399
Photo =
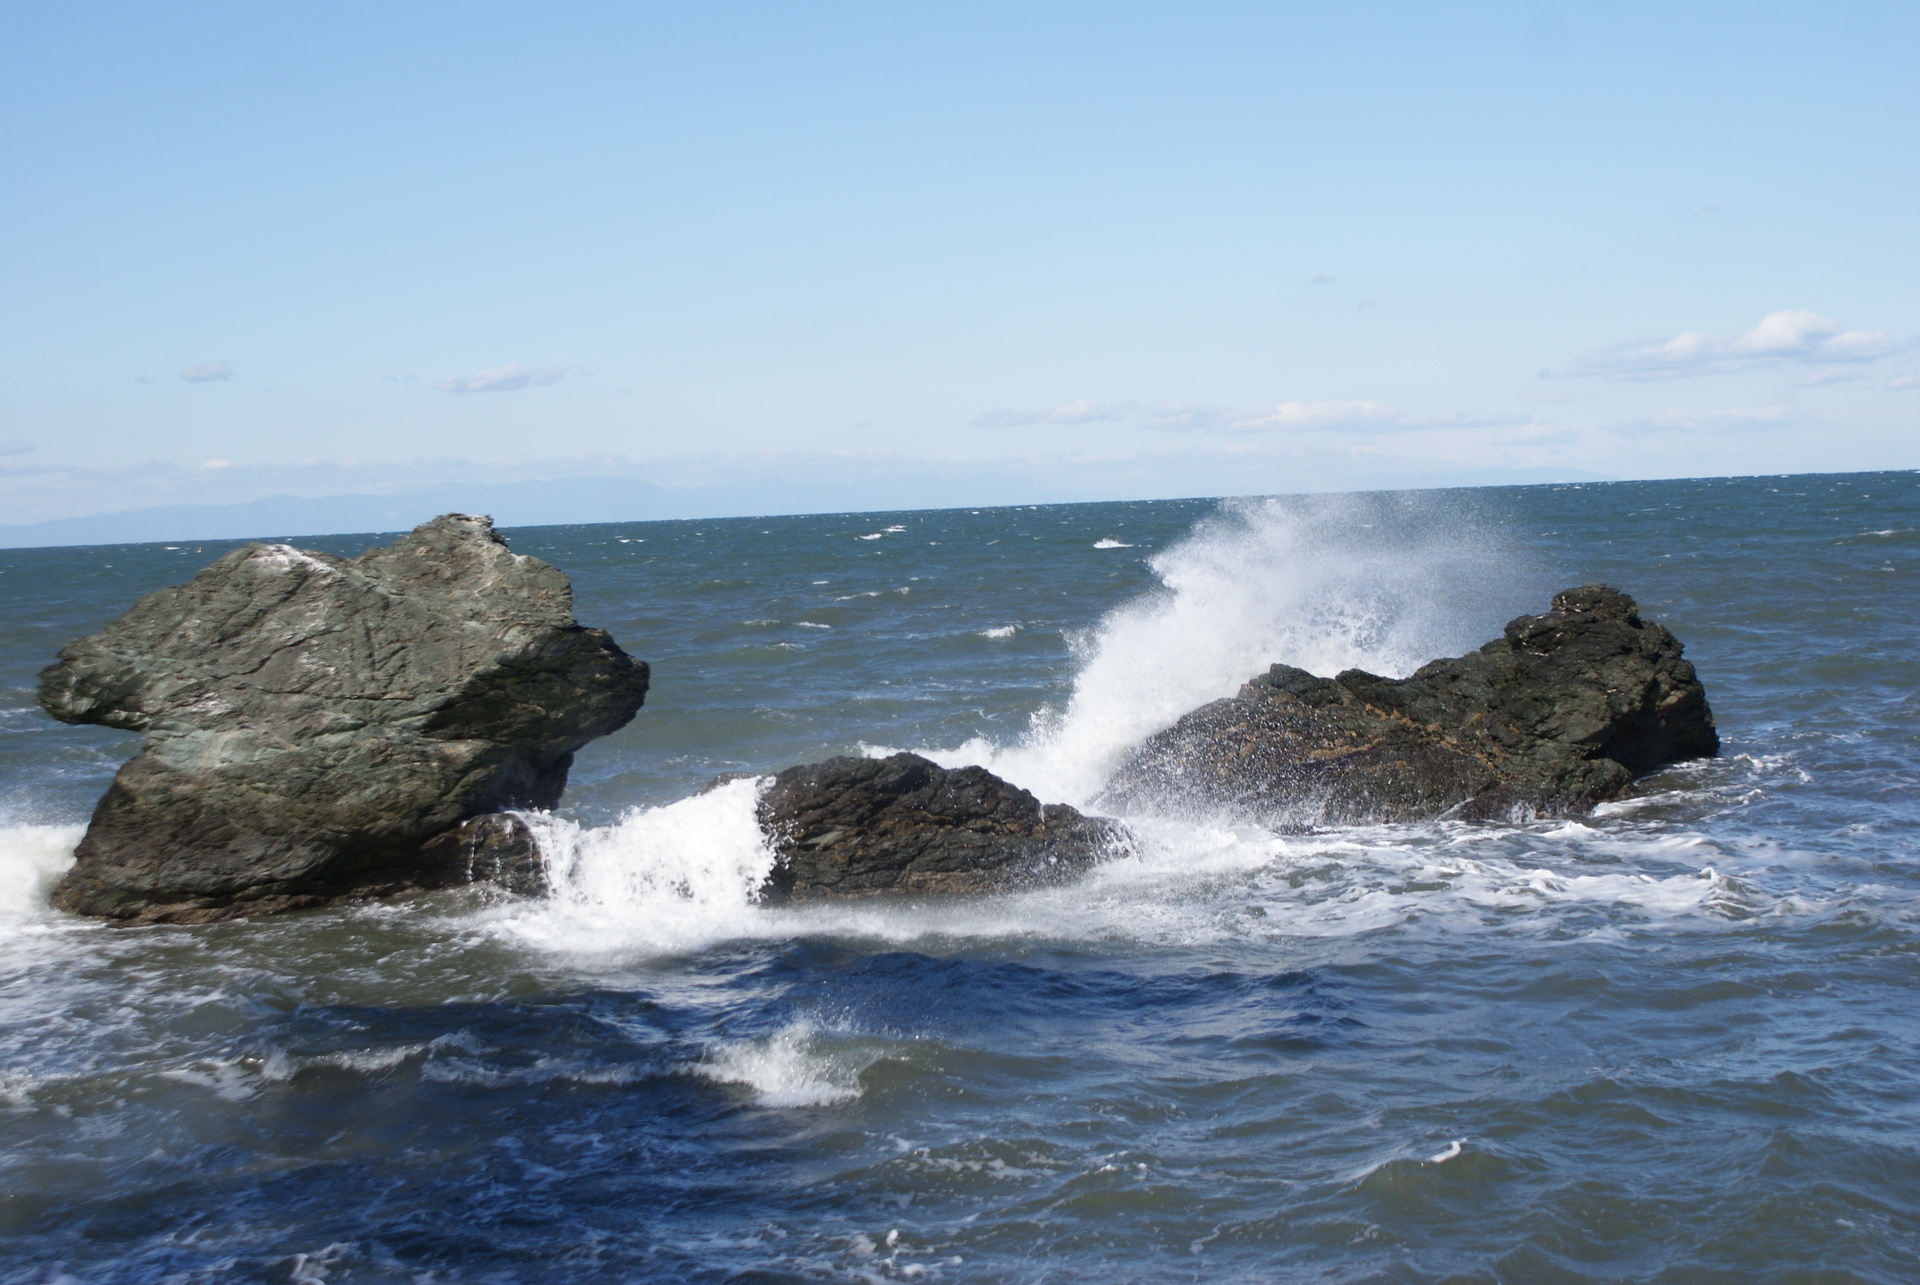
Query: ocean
1674 1041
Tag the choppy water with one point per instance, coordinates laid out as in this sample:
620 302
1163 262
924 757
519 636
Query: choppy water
1675 1042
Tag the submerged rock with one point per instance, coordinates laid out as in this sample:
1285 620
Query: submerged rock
316 727
855 827
1562 711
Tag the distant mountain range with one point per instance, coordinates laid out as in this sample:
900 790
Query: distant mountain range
563 501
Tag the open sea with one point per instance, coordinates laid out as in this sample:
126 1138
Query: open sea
1676 1041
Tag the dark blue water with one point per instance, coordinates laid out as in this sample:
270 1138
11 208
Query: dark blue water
1673 1042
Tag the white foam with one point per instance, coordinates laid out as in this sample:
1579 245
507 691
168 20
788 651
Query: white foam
790 1068
32 859
1110 543
676 879
1000 631
659 879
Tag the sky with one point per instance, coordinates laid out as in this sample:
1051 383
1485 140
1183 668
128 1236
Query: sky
1114 250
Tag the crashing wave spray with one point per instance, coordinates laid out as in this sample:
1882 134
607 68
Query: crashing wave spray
1380 582
1377 582
664 878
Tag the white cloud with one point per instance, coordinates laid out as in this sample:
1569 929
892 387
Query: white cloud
1781 337
1735 418
206 372
1310 417
1075 412
1822 378
1183 416
500 379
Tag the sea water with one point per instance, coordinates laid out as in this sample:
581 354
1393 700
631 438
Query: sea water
1676 1040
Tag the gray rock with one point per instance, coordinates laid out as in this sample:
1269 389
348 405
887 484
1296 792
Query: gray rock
853 827
314 723
1564 710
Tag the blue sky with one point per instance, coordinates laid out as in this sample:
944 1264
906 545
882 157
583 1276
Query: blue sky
1152 248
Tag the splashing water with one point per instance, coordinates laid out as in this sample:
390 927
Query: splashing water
32 859
793 1067
1383 583
661 878
1377 582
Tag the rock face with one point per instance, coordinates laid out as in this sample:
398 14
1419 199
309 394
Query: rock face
1561 712
852 827
316 727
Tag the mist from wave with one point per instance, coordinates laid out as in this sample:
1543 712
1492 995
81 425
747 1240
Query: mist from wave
1325 583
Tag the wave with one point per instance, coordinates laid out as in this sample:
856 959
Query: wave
1381 583
1376 582
32 859
682 878
796 1066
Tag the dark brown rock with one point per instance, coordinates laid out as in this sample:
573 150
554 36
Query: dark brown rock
1562 711
854 827
313 722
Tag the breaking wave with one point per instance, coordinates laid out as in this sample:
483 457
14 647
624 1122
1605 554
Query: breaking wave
1383 583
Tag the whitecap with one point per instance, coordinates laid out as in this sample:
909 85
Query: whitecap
793 1067
32 859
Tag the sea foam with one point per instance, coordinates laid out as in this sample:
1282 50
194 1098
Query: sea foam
32 859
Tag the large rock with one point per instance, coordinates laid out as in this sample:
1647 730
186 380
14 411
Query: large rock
854 827
313 724
1562 711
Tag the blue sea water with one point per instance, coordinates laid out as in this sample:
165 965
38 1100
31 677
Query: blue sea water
1674 1041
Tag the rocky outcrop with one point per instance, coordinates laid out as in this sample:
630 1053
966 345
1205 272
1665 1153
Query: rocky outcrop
317 727
853 827
1562 711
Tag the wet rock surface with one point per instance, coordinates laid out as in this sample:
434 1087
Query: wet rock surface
317 727
1563 711
854 827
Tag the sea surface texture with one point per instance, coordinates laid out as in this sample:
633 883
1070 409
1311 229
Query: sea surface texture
1676 1041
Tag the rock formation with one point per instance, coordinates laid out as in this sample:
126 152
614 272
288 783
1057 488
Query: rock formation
316 727
1563 711
852 827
